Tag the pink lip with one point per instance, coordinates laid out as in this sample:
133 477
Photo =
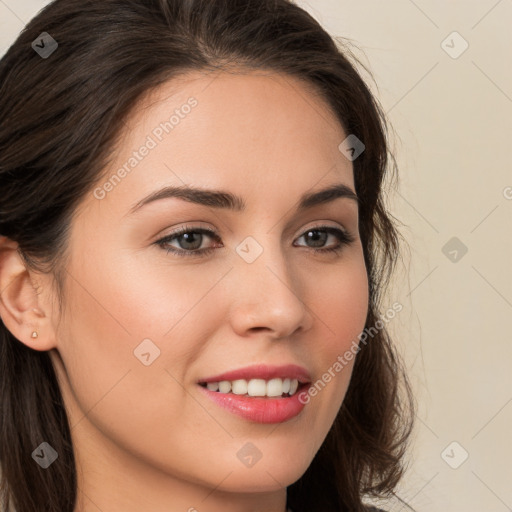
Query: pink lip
263 371
258 409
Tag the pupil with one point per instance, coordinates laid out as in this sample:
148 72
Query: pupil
190 236
317 238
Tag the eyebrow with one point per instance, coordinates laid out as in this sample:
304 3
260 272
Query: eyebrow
229 201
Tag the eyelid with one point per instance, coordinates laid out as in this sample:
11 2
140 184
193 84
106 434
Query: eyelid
189 226
323 224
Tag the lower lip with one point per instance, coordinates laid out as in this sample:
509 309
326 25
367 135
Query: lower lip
258 409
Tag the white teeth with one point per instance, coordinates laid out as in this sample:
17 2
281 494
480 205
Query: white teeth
213 386
275 387
225 386
256 387
239 387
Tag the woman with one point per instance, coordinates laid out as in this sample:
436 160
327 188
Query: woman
193 248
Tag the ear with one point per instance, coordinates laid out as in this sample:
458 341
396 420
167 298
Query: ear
22 309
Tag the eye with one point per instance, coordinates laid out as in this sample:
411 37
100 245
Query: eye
319 235
190 240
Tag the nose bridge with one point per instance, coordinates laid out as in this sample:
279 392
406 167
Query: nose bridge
268 295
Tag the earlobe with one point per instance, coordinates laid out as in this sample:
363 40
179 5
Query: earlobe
20 310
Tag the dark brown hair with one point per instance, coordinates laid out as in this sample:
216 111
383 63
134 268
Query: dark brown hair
60 119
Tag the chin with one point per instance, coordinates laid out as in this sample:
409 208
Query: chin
269 473
261 481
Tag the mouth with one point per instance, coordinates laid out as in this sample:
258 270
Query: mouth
263 402
260 393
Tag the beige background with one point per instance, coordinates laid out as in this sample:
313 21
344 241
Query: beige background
453 121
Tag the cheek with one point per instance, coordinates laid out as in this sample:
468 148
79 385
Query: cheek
341 304
114 306
133 405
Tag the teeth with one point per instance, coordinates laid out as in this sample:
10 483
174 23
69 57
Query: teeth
225 386
274 387
256 387
239 387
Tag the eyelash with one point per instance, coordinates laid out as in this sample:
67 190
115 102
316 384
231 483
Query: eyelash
344 237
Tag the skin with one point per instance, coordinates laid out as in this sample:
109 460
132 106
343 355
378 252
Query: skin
145 437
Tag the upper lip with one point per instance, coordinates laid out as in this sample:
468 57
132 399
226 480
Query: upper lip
263 371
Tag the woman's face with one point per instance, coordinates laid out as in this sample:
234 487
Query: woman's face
144 323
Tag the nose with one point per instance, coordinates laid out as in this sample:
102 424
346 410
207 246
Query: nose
268 295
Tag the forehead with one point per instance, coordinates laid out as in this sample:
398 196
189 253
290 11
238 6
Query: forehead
248 105
248 131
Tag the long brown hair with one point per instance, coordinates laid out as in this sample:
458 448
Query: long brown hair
60 118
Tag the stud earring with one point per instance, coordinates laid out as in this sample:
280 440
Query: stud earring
34 334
